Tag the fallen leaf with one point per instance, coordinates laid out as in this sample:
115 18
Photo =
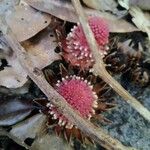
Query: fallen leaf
124 3
109 5
13 111
64 10
52 142
141 20
4 48
12 78
103 5
29 128
6 5
41 49
13 75
16 91
144 4
25 21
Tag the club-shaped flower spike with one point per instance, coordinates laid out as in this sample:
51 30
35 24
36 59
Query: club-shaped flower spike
76 49
79 94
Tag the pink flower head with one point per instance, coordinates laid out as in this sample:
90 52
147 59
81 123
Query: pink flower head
76 49
100 29
78 93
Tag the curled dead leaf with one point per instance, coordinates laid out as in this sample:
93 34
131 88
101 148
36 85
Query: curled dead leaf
41 48
29 128
103 5
13 111
12 75
144 4
41 52
12 78
64 10
124 3
25 21
141 20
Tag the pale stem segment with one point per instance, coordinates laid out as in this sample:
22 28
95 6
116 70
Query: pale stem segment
99 66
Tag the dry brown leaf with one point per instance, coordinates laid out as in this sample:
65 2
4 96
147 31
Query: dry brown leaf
64 10
25 21
143 4
34 127
29 128
124 3
6 5
103 5
141 20
10 78
41 52
13 76
41 49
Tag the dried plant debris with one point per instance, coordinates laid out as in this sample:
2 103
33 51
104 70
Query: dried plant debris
34 128
139 76
41 26
124 3
25 21
109 5
52 141
10 115
16 91
141 20
29 128
41 48
64 10
144 4
12 75
129 61
6 5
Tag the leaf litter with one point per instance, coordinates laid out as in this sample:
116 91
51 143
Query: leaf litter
26 22
32 23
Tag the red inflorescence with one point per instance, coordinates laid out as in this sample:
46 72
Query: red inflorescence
76 48
100 29
78 93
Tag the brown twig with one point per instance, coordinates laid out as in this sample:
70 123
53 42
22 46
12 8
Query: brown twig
97 134
99 66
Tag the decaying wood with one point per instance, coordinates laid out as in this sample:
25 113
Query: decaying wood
99 66
97 134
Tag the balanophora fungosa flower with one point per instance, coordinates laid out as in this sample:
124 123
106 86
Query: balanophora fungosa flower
79 94
76 49
84 92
